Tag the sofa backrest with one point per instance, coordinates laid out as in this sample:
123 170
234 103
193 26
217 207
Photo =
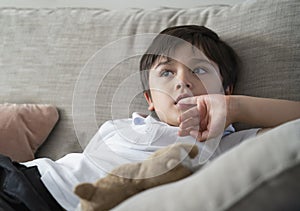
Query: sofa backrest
85 61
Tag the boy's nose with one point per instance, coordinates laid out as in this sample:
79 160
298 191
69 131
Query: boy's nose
182 84
183 80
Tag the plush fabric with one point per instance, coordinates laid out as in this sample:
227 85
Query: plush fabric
166 165
52 46
24 127
260 174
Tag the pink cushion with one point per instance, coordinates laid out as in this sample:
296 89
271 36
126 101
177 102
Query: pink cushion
24 127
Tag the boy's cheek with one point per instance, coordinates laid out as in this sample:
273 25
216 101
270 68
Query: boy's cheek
214 87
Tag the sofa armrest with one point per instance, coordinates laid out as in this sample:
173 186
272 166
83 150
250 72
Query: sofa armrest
260 174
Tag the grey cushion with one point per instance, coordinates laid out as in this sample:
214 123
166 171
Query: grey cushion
260 174
43 52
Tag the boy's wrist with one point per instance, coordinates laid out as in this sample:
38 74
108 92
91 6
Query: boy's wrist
232 109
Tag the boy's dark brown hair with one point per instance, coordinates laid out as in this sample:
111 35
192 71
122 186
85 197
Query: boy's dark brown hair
199 36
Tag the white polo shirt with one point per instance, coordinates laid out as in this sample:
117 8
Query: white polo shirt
118 142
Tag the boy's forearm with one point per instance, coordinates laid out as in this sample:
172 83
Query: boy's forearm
262 112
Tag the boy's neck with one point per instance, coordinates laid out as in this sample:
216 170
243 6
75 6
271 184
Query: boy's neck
154 115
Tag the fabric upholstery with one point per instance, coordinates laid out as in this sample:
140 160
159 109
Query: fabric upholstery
259 174
44 53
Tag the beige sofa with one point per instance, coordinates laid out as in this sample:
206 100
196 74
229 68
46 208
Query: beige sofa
85 62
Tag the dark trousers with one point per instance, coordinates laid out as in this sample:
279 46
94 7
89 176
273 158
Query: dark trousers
21 188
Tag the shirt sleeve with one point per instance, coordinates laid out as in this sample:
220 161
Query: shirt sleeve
230 141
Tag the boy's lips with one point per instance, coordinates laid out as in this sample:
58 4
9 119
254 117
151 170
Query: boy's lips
181 106
182 96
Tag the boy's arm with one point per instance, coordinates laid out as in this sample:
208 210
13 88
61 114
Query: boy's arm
212 113
262 112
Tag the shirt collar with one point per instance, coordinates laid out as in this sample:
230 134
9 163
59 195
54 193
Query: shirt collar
138 119
141 119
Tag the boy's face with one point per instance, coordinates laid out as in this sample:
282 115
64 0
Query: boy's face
187 72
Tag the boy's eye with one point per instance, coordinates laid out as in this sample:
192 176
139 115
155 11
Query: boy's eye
166 73
199 71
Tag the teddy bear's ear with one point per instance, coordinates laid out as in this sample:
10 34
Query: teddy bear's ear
85 190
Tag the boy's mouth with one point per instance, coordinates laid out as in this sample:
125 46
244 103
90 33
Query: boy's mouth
182 96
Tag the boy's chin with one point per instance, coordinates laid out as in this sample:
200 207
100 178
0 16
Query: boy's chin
174 124
171 122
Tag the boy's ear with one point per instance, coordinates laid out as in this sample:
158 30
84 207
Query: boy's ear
149 101
229 90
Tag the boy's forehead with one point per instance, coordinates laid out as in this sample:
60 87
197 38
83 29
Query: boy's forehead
185 54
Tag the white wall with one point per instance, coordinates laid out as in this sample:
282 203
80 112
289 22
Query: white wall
112 4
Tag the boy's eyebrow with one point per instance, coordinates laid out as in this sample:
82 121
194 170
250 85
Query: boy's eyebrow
197 60
192 60
163 63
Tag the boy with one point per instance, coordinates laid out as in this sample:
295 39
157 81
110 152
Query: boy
184 91
216 61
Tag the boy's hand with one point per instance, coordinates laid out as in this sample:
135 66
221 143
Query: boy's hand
206 118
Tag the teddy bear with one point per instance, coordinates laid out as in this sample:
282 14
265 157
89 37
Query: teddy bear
166 165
